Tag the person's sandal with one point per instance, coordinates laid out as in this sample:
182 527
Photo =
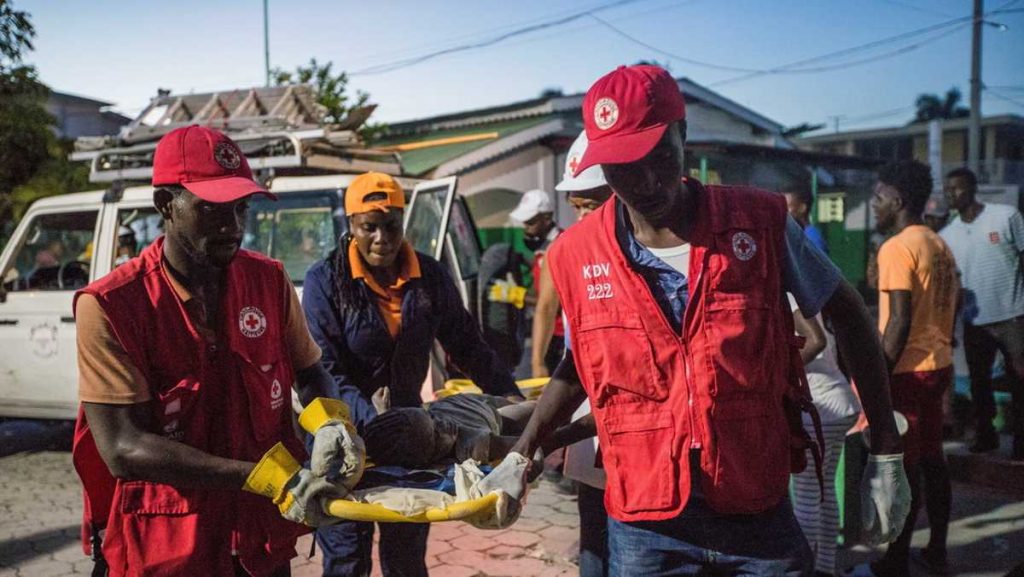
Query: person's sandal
935 564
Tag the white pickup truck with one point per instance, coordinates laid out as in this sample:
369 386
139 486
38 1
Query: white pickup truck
65 242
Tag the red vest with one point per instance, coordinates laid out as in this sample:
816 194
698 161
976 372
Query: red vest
232 400
719 387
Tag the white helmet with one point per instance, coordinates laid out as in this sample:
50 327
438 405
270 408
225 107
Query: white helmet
590 178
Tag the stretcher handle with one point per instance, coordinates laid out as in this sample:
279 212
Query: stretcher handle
372 512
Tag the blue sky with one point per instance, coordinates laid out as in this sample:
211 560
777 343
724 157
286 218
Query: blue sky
123 51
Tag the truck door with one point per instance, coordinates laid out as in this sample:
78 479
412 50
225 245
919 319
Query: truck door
438 223
50 256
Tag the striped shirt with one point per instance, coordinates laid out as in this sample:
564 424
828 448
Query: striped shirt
987 255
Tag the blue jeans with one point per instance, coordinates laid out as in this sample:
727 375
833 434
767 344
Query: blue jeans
593 532
701 541
347 548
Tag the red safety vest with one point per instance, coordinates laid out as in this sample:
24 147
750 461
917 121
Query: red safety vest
232 401
726 385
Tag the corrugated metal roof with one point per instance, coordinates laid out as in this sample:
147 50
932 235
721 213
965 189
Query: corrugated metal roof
422 160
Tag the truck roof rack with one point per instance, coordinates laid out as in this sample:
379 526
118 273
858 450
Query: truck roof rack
279 129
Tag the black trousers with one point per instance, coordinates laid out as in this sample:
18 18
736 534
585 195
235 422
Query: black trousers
980 345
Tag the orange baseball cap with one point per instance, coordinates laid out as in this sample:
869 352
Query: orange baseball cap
372 184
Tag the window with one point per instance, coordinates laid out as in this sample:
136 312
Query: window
425 222
465 242
55 254
298 230
137 229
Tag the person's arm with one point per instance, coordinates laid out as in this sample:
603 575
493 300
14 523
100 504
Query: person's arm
461 338
326 329
897 328
858 343
561 396
311 378
812 332
817 285
132 451
544 318
582 428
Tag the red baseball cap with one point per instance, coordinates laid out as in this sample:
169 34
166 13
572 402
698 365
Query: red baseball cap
625 114
207 163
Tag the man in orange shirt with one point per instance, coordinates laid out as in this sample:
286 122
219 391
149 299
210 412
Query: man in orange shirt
917 301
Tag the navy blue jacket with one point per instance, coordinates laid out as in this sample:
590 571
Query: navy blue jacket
361 355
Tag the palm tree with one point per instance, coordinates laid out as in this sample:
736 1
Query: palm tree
934 107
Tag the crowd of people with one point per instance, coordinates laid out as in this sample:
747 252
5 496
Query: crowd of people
703 351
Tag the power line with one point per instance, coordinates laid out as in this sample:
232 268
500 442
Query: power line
849 51
392 66
882 114
668 54
583 25
1004 97
410 50
918 8
759 72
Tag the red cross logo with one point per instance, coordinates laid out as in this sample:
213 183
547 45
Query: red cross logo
744 246
252 322
573 163
606 113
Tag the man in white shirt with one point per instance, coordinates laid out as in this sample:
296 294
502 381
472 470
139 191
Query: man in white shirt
988 243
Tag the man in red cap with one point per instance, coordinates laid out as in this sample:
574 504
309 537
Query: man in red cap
682 339
188 355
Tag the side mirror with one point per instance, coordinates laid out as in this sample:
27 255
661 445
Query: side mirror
10 276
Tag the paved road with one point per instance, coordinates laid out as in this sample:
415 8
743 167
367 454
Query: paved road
40 510
40 507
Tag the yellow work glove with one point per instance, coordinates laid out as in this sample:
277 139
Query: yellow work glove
507 291
338 455
300 495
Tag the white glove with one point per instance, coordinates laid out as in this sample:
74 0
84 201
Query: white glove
508 479
884 499
339 454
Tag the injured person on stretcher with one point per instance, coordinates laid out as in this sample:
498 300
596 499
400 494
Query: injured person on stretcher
455 428
422 462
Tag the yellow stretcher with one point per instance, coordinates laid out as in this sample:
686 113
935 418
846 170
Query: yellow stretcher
372 512
531 388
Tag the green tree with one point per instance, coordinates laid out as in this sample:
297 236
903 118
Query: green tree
56 175
25 137
332 93
935 107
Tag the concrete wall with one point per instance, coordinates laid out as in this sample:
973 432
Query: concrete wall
77 118
708 123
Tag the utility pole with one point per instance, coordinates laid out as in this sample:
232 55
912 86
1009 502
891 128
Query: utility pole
266 42
974 122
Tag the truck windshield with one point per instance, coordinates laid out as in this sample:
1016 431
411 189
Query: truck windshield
298 229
